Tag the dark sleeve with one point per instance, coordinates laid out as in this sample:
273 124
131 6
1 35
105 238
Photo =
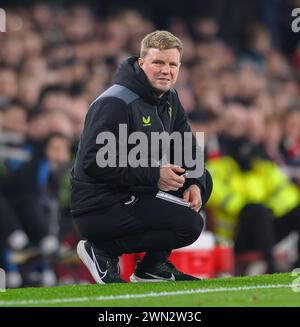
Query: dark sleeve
106 115
205 181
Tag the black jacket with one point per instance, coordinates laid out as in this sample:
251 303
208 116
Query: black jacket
130 101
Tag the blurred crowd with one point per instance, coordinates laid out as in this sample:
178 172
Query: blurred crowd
55 61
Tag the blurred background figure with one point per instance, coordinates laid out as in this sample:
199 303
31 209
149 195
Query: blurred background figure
253 203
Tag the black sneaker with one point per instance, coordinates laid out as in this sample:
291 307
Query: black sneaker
160 272
103 269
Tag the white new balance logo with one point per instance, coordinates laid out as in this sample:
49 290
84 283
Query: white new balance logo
102 273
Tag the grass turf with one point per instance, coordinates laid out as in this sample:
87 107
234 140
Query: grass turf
135 295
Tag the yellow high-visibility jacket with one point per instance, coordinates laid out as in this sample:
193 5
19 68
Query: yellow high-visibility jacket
234 188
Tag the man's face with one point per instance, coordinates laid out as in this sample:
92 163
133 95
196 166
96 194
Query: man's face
161 67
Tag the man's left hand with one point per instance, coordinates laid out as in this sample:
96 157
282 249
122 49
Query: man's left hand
193 195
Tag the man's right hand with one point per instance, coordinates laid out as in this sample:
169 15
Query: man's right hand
169 180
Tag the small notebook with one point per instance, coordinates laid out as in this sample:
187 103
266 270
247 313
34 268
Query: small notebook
172 198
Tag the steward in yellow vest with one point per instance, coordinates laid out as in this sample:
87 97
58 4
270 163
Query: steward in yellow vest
253 203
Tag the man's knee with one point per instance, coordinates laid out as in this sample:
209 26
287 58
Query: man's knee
191 228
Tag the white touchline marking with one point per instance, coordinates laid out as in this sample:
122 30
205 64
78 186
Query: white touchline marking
151 294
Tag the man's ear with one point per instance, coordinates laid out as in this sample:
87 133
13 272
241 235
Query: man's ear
141 62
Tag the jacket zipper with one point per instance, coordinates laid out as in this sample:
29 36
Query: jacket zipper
156 110
159 118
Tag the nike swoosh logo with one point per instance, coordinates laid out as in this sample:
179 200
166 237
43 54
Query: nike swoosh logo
130 201
162 278
102 273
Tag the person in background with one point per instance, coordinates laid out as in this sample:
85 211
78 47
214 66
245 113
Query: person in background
253 203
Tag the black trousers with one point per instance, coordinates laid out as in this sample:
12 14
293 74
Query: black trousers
22 213
258 229
31 217
147 224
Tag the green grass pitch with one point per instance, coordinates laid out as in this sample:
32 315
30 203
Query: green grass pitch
266 290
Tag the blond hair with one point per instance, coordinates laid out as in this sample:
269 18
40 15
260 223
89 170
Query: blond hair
160 40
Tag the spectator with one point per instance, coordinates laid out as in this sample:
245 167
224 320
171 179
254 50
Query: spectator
253 203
